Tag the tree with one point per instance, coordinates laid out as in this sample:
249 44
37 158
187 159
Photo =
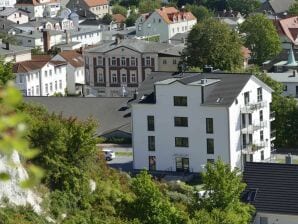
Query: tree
6 73
150 204
244 6
261 38
293 10
118 9
131 19
146 6
200 12
221 202
211 42
107 18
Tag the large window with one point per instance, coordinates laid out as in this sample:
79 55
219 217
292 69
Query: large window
181 121
243 118
152 163
113 61
60 84
210 146
132 61
182 164
260 94
99 77
124 78
150 123
99 60
180 101
246 98
114 78
46 88
261 136
133 78
209 125
148 61
261 115
123 61
181 142
151 143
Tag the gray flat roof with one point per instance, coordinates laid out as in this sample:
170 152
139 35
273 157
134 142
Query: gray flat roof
284 77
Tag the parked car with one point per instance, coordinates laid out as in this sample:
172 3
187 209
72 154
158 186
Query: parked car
109 154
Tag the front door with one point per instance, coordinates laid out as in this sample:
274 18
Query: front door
182 164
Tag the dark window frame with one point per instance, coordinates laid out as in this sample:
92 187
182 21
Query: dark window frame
182 142
180 101
210 145
150 126
181 121
209 125
151 143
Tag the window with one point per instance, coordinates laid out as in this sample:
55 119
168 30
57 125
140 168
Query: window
164 61
261 136
46 73
251 157
132 61
243 120
60 84
99 78
244 143
296 91
262 155
150 123
180 101
261 115
181 121
181 142
263 220
56 85
47 88
246 98
99 60
260 94
114 78
285 88
250 138
32 90
152 163
113 61
151 143
124 78
29 92
249 119
174 61
123 61
148 61
182 164
37 90
210 146
209 125
133 78
51 87
21 78
50 72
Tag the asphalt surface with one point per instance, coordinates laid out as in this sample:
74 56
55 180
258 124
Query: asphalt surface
122 162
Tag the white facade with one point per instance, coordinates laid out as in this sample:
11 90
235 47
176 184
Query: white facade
46 8
18 17
7 3
275 218
227 134
46 81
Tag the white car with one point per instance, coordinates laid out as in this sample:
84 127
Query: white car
109 154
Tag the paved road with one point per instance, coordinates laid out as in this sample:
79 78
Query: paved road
122 162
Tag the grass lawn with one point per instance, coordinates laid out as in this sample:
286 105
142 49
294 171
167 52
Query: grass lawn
123 153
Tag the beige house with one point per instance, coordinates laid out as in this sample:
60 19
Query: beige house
97 7
116 68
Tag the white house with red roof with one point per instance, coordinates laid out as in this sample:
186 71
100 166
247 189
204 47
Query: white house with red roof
41 76
165 23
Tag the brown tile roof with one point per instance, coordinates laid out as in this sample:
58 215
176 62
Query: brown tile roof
34 2
72 57
170 13
288 27
36 63
92 3
119 18
245 52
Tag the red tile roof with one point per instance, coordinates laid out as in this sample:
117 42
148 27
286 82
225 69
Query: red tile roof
288 27
118 18
92 3
169 14
34 2
73 57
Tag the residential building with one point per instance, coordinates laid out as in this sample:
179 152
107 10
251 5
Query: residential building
276 7
97 7
182 121
272 190
14 15
289 80
41 76
118 22
116 68
14 53
75 70
287 30
7 3
165 23
39 8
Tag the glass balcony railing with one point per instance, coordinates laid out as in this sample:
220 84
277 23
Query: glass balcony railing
272 115
253 147
249 129
251 107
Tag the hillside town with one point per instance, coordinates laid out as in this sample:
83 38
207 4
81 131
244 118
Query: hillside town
148 111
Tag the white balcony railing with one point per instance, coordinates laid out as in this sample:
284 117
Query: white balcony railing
250 107
249 129
253 147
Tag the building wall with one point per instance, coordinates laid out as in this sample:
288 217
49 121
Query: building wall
7 3
181 27
291 89
88 38
169 63
18 17
100 10
276 218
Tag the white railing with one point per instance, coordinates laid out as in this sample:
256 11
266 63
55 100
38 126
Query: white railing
253 127
250 107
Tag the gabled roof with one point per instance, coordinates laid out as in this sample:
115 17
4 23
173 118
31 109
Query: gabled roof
111 113
73 57
276 186
288 27
8 11
34 2
92 3
169 14
118 18
280 6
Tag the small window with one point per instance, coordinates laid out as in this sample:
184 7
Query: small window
148 61
99 60
60 84
133 78
261 136
261 115
246 98
124 78
263 220
100 78
209 125
180 101
181 142
262 155
51 87
260 94
150 123
123 61
181 121
114 78
285 88
164 61
113 61
151 143
152 163
210 146
132 61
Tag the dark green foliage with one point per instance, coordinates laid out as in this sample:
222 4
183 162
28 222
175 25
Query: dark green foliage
293 11
261 38
107 19
6 73
244 6
118 9
211 42
200 12
146 6
131 19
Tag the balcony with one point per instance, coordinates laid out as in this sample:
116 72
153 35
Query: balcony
254 127
251 107
272 115
253 147
273 135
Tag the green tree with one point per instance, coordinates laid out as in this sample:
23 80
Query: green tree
293 10
107 18
221 202
150 204
244 6
261 38
131 19
118 9
200 12
146 6
211 42
6 73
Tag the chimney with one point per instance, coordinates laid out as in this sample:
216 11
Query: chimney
289 159
46 40
208 69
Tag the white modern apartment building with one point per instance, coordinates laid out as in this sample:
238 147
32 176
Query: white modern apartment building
189 120
41 76
165 23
